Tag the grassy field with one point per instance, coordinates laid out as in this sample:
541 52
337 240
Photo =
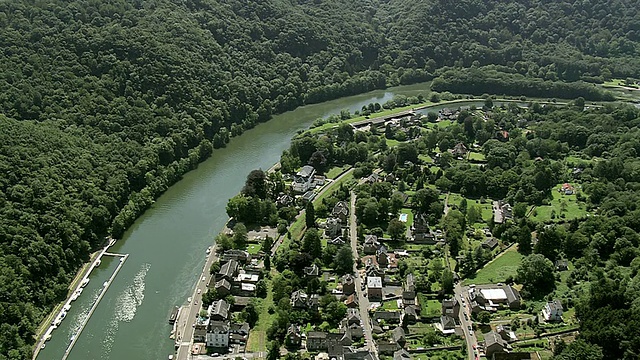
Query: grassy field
392 142
499 269
253 249
337 170
565 207
430 308
333 187
475 156
258 335
426 158
409 213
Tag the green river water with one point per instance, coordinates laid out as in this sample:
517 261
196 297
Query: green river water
167 244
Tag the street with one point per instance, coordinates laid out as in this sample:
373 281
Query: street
184 329
362 300
470 338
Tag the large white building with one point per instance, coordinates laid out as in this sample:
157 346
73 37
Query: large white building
552 311
218 334
303 181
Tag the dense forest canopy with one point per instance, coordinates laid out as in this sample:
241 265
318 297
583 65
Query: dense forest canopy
107 103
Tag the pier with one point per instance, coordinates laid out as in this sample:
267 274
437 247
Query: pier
95 304
59 317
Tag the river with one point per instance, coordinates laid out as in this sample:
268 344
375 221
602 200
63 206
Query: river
167 243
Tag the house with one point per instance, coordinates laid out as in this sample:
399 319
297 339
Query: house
333 342
333 227
492 297
218 310
243 289
316 340
372 269
293 338
371 244
223 287
505 333
319 180
351 302
311 271
567 189
562 265
420 231
410 314
307 197
239 256
341 211
373 178
401 354
244 277
355 330
240 328
552 311
387 347
348 284
409 288
218 335
228 271
284 200
459 150
493 343
382 257
389 317
490 243
398 337
351 354
299 299
338 241
303 180
374 288
447 323
353 316
451 307
501 212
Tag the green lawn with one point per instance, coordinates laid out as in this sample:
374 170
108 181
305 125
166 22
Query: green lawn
499 269
253 249
390 305
392 142
333 187
409 213
337 170
564 207
475 156
258 335
430 308
426 158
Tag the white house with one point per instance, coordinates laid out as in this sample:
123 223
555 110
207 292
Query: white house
218 334
303 181
552 311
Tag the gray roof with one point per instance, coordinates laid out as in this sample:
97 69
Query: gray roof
221 308
228 268
398 334
401 354
306 171
316 335
447 322
218 326
555 305
512 294
340 208
224 283
374 282
493 337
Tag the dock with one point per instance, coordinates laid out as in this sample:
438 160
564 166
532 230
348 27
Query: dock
75 293
95 304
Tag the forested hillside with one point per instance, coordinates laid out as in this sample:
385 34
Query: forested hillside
107 103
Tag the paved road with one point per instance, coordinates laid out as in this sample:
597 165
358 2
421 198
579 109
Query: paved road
184 332
255 355
362 300
470 339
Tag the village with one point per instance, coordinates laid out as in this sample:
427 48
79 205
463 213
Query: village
363 266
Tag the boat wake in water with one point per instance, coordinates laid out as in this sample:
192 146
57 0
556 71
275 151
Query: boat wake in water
127 304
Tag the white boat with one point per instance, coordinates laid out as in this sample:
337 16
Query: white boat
84 282
209 250
74 296
66 307
98 262
105 284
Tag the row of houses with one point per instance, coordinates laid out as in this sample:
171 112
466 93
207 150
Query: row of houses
216 330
